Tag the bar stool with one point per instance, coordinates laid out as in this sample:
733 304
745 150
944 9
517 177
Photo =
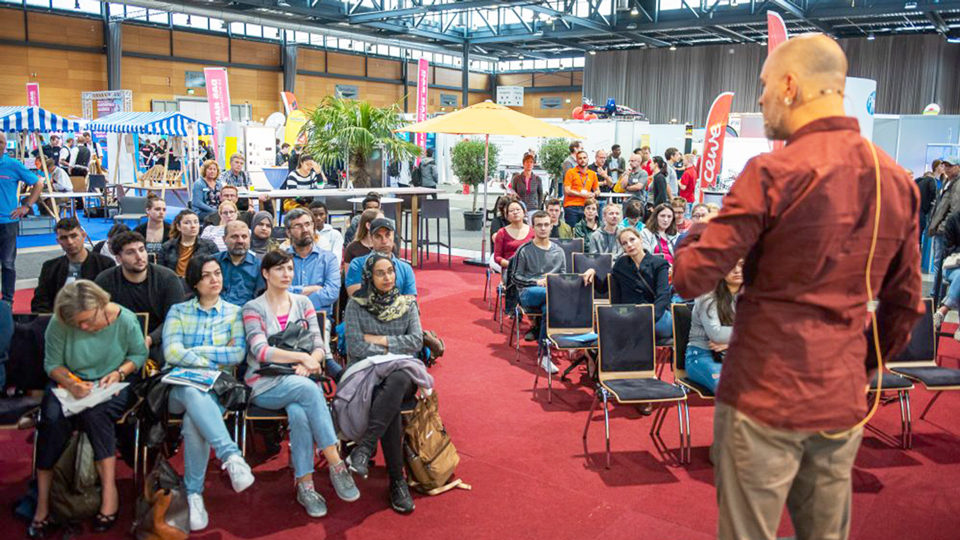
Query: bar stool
435 209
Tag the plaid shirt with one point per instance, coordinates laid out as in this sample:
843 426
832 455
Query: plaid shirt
203 338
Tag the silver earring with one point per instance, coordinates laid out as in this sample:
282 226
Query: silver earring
787 101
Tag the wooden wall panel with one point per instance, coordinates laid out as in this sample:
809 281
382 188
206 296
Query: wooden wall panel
48 28
261 89
383 69
344 64
190 45
146 40
551 79
479 81
447 77
254 52
310 59
578 78
310 90
62 75
11 24
515 79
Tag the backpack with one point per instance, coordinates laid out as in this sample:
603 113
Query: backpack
75 490
430 455
416 176
162 512
393 169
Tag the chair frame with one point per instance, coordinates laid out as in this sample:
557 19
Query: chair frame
563 243
680 376
553 332
596 299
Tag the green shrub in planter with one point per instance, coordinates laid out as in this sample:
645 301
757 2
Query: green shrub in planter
466 160
552 154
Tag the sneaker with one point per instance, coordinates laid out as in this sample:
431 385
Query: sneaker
530 336
400 499
937 319
198 513
359 462
240 475
548 366
343 482
311 500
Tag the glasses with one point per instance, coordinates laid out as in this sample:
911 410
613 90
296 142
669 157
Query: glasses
300 226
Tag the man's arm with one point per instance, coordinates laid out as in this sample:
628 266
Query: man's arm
330 285
711 250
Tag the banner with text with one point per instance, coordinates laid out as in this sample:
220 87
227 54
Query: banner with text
289 102
776 34
422 97
713 143
33 94
218 98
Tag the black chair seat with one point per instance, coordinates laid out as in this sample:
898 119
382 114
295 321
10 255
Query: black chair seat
698 388
642 390
254 411
891 382
565 341
531 310
933 377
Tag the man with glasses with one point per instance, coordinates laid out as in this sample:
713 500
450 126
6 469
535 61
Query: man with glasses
316 272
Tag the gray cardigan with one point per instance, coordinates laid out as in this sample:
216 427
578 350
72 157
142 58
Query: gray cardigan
705 323
404 335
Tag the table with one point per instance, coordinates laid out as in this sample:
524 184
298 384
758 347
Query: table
383 200
72 196
277 194
119 190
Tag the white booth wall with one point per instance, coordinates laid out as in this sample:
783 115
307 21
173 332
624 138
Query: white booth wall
906 137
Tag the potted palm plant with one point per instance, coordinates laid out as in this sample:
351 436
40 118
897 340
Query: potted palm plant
467 162
346 128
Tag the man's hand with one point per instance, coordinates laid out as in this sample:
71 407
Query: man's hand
588 276
542 282
148 341
19 212
310 289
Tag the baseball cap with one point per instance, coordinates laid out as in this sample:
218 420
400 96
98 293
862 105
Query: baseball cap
381 223
950 161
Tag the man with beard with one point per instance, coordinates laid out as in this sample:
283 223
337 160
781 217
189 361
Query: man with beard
240 267
76 263
316 272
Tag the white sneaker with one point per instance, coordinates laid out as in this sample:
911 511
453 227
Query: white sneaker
548 366
240 475
198 513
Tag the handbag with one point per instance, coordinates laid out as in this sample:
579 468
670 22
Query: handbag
75 490
162 512
952 261
295 337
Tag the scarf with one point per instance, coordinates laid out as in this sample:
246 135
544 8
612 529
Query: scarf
384 306
257 245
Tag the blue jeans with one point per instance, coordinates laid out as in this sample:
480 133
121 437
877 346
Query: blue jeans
308 416
572 215
536 297
203 427
8 257
702 368
952 300
663 328
938 246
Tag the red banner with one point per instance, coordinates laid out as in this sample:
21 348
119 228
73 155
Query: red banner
776 34
289 102
218 97
713 142
33 94
422 97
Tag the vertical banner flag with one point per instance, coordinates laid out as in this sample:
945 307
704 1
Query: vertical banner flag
776 34
289 102
218 97
33 94
422 70
713 143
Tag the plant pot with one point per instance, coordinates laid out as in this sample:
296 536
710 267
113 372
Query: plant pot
472 221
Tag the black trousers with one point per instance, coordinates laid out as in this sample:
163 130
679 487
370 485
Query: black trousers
385 423
99 423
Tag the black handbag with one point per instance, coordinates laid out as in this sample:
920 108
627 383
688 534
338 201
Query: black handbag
295 337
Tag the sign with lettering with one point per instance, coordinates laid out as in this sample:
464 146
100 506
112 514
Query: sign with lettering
713 142
218 97
510 96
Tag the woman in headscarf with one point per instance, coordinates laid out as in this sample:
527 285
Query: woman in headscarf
261 235
379 320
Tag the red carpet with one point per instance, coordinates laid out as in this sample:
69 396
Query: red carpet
531 475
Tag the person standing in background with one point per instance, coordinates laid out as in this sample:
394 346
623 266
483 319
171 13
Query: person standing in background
927 184
11 210
527 186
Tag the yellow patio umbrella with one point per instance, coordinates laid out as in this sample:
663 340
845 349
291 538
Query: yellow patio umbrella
488 118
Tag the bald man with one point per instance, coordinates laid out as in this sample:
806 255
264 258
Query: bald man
240 267
792 383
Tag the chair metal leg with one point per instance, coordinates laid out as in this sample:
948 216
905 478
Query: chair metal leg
909 421
593 407
606 423
932 401
536 378
486 287
681 429
243 439
549 374
136 457
903 421
686 413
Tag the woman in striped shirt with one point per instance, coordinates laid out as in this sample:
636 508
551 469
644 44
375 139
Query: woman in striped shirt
204 333
303 177
307 412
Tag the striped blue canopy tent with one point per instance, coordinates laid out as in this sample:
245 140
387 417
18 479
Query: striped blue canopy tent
24 118
149 123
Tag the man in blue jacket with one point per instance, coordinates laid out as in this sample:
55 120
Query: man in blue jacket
316 273
240 267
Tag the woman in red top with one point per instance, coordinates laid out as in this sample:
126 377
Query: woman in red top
511 237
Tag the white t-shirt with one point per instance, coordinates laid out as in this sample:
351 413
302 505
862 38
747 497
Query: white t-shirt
61 180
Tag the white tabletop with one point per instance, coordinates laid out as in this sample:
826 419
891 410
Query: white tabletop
383 200
612 195
339 193
147 188
66 195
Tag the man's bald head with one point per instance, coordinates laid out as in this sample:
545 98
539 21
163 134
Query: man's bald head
812 57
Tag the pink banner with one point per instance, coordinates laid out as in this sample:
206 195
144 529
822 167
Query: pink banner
33 94
713 142
218 97
776 34
422 86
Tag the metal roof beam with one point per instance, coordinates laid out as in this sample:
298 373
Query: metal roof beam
571 19
464 5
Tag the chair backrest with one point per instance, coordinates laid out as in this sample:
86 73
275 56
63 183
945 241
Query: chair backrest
79 183
569 246
569 304
626 340
613 288
144 320
602 264
682 319
132 205
435 209
922 347
97 182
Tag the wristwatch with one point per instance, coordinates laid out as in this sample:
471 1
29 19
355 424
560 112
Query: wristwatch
122 374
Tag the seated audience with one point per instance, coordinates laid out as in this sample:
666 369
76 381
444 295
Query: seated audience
214 233
240 268
558 228
232 194
235 176
604 239
141 287
660 233
951 246
184 243
103 247
510 238
90 341
380 320
679 205
589 223
633 212
527 186
301 397
261 237
500 218
381 231
698 214
59 177
711 328
205 332
325 235
76 263
642 278
370 202
155 230
363 243
205 194
316 271
533 261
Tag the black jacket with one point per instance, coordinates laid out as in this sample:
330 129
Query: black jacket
928 193
170 251
142 229
164 290
53 275
647 284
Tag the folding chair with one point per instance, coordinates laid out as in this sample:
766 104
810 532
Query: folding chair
569 316
682 319
664 347
131 209
625 367
569 246
602 264
918 362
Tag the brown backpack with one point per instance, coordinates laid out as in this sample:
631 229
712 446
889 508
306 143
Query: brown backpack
430 454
